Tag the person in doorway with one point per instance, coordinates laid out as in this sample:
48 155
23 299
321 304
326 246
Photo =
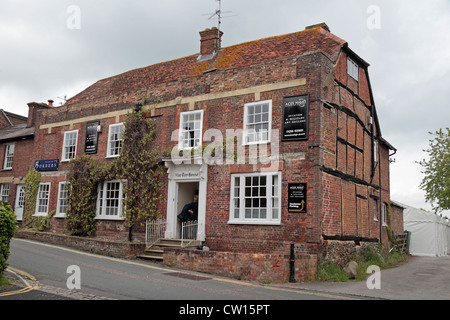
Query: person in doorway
190 211
193 209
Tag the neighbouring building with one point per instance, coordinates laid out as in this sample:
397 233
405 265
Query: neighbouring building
309 164
16 154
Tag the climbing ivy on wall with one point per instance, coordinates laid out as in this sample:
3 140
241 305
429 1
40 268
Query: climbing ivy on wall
32 181
138 167
84 175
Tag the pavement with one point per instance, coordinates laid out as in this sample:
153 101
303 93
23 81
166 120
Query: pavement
421 278
24 286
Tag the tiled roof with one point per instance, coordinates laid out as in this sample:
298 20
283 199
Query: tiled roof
16 132
237 56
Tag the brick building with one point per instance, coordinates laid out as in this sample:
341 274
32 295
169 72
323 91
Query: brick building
311 165
16 142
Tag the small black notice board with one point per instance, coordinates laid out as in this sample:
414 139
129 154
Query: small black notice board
295 118
297 197
91 143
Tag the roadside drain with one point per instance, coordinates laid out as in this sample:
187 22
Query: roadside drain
423 274
186 276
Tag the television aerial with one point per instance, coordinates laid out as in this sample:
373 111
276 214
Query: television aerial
219 14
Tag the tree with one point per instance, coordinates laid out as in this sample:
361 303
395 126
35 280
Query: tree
7 229
436 182
83 176
139 166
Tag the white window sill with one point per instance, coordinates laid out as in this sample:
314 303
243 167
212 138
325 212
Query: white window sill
40 215
111 218
255 222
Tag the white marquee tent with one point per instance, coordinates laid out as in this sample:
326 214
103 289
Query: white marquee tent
430 233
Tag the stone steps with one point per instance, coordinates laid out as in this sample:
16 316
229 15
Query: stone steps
156 250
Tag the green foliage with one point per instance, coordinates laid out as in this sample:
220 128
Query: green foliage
436 182
367 256
138 165
329 271
7 229
32 181
42 223
84 175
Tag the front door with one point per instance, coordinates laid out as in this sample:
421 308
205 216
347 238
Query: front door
185 195
184 181
20 201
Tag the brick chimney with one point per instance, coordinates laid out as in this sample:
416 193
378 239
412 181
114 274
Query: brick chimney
210 41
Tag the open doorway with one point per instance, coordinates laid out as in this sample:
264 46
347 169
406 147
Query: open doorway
185 194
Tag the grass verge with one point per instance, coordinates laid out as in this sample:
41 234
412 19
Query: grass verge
329 271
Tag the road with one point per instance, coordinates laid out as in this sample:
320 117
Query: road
100 276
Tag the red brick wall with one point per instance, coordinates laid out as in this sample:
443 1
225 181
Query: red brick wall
243 266
336 168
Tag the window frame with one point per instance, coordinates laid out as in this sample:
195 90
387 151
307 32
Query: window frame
352 69
100 213
246 123
38 213
63 156
271 196
9 157
384 214
181 131
375 209
60 214
5 188
109 149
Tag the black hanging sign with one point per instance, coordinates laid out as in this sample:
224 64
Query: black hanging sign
297 197
295 118
91 143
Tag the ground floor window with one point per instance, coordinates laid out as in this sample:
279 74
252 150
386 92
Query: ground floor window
42 200
255 198
4 192
62 205
109 200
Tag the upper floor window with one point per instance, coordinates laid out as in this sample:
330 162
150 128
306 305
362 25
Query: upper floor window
70 145
191 125
352 69
257 122
384 216
115 139
9 155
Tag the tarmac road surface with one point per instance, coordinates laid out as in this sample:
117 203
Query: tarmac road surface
110 278
421 278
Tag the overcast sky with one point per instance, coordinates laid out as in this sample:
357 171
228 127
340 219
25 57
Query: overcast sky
50 49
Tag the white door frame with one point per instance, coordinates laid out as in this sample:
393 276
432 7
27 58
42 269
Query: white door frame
18 209
178 173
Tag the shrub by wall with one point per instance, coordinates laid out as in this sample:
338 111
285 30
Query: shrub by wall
7 229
